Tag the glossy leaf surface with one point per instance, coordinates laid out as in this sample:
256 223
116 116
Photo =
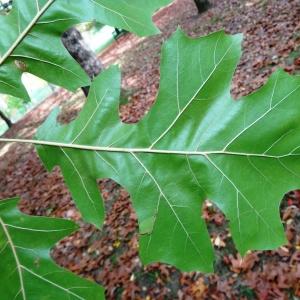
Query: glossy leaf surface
27 270
195 143
31 37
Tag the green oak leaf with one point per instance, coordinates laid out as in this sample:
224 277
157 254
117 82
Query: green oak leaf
27 270
31 37
196 143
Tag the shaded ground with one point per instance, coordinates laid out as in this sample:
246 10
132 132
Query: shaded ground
110 256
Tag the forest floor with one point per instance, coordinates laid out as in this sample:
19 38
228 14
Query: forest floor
110 256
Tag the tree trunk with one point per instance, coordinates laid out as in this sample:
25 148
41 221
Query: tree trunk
80 51
6 119
202 5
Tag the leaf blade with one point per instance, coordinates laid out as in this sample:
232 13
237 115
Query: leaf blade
146 157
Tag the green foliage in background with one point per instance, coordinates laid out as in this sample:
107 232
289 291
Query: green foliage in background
27 270
32 39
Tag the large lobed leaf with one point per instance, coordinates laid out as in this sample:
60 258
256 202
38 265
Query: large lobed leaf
31 37
195 143
27 270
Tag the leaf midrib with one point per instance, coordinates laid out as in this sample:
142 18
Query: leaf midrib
143 150
19 266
